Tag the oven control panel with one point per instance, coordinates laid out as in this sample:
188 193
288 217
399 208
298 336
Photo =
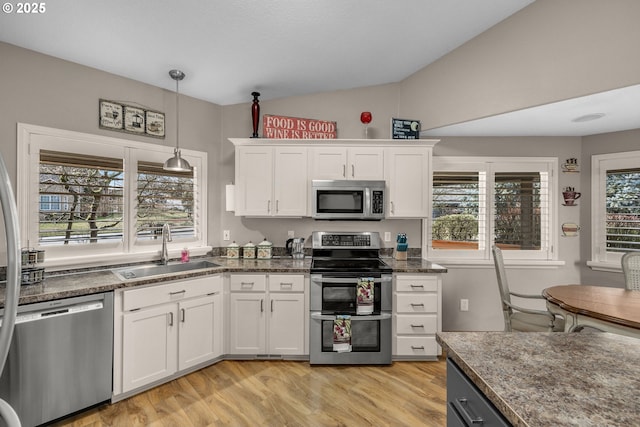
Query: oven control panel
328 240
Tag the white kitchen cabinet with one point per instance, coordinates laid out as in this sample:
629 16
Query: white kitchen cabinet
417 300
268 314
363 163
271 181
408 176
161 330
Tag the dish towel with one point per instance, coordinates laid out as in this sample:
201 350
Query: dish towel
364 296
342 334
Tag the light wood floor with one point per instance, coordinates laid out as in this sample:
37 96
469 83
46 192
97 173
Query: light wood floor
286 393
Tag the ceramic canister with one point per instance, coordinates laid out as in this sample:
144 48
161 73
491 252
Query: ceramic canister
233 250
249 251
264 249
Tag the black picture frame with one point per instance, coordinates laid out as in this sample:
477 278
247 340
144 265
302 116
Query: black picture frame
405 128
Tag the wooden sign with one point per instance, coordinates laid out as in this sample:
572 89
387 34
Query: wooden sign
282 127
405 129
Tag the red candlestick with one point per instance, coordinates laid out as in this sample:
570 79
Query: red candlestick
255 113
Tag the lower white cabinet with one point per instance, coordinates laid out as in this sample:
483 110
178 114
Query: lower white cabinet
417 300
267 314
161 330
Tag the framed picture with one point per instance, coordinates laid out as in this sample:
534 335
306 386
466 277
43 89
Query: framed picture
405 129
111 115
134 119
154 121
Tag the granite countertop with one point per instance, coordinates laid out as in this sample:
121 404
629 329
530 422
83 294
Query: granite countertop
91 281
552 379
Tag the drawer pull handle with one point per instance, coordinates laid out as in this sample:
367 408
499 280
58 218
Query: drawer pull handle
171 318
417 305
177 292
287 284
417 326
464 408
415 347
182 313
417 286
247 284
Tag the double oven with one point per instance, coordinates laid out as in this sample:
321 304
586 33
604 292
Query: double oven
342 331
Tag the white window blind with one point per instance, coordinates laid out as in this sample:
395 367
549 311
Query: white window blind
623 210
81 199
164 197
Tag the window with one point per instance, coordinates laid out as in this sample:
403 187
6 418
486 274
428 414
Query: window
615 208
105 198
480 202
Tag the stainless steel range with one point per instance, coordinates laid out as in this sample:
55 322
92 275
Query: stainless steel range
350 300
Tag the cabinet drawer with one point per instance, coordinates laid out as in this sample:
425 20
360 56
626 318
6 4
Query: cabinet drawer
416 324
248 282
416 346
286 282
173 291
416 283
416 303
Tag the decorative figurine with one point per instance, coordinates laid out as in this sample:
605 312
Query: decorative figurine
255 113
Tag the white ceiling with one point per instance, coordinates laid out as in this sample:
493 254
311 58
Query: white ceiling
229 48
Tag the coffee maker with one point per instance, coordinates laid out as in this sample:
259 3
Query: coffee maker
295 247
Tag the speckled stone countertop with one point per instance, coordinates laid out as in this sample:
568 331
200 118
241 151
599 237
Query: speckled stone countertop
553 379
56 286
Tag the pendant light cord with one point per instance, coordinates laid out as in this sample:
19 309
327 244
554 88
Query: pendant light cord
177 116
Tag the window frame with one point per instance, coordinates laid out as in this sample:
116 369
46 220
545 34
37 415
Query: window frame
601 259
32 138
490 166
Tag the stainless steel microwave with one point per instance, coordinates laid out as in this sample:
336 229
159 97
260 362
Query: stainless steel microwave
347 200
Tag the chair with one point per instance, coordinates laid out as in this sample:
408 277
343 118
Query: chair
631 270
520 318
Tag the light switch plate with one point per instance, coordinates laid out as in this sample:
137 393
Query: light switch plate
226 235
464 304
387 236
291 234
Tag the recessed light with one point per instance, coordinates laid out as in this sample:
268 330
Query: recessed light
588 117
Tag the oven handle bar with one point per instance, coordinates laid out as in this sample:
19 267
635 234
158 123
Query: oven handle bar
320 316
325 279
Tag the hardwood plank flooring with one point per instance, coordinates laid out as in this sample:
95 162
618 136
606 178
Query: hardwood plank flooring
285 393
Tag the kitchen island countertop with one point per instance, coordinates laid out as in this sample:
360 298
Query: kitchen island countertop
91 281
552 379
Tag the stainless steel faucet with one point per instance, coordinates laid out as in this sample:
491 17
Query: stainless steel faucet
166 237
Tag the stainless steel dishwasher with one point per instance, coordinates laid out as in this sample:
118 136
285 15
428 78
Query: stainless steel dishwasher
60 359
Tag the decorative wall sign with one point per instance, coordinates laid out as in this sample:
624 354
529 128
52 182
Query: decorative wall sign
130 119
154 123
405 129
296 128
111 115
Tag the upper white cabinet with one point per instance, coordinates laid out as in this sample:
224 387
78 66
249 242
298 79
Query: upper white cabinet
408 176
273 176
271 181
365 163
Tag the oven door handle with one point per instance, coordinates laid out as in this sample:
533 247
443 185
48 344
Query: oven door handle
381 316
350 280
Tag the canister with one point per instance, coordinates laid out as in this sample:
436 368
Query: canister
264 249
249 251
233 250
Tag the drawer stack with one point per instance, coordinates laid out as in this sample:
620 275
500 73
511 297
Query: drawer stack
417 317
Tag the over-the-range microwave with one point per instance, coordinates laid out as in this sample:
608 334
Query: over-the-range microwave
347 200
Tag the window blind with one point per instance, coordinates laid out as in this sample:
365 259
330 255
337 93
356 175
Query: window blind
80 198
623 210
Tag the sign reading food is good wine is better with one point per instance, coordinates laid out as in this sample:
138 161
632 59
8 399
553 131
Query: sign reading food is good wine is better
282 127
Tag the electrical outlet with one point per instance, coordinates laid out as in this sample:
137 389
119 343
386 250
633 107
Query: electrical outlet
387 236
291 234
226 235
464 304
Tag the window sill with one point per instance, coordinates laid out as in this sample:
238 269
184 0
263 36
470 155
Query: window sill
485 263
608 267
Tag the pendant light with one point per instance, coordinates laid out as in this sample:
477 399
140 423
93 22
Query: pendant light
177 163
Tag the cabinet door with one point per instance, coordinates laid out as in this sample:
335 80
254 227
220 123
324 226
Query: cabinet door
149 343
199 320
366 163
290 182
408 176
247 323
328 163
286 324
254 180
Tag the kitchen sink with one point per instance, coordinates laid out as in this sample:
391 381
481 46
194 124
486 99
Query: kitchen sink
158 269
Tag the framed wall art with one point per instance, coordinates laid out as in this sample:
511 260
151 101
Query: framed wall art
137 120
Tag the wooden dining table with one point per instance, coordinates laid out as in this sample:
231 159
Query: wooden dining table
605 308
